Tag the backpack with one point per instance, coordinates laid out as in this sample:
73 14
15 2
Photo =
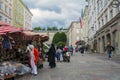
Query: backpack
112 48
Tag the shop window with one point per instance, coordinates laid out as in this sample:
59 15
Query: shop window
0 18
1 4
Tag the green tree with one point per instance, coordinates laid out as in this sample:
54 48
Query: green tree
61 28
49 28
56 38
63 37
37 28
54 28
43 29
60 38
61 44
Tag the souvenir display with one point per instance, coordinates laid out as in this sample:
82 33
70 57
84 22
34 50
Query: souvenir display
10 68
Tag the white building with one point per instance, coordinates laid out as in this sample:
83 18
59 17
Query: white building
6 11
73 33
27 19
92 21
104 21
85 25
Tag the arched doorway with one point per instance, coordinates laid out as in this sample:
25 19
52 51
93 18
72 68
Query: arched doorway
108 38
115 41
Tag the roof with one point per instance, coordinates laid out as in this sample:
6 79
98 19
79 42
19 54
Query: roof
35 35
9 29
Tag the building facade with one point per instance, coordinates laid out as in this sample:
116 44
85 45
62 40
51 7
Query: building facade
6 11
18 13
106 25
73 33
27 19
92 21
85 25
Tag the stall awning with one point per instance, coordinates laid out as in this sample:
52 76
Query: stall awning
3 23
9 29
35 36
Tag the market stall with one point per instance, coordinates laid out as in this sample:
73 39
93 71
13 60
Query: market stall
13 42
9 67
38 41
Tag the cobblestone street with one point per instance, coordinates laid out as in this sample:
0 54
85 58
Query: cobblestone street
87 67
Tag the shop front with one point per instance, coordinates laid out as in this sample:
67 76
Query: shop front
13 57
110 32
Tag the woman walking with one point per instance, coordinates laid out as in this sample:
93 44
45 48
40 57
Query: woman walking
33 58
51 56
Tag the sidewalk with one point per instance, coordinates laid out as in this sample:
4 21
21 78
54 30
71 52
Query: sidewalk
87 67
104 56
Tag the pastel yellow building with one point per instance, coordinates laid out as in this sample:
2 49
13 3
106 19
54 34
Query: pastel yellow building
18 13
6 11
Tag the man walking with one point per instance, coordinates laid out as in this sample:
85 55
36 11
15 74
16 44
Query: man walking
109 50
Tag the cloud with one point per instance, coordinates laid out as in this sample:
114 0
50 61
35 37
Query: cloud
54 13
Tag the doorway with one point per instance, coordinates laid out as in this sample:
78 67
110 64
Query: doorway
108 38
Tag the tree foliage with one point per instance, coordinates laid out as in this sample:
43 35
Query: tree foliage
56 38
63 37
61 44
60 38
37 28
54 28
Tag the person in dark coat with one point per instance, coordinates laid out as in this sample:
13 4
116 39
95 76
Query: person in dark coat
51 56
82 50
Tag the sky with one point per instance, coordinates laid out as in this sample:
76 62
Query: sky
59 13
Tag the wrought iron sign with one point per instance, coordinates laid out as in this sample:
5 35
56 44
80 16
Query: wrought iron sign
115 3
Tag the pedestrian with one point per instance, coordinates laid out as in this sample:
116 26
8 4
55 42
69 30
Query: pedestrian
33 58
82 50
109 50
65 50
51 56
58 53
70 49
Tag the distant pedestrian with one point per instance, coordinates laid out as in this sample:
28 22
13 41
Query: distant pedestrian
109 50
70 49
65 50
82 50
58 54
51 56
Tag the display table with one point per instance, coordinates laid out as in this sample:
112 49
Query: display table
9 77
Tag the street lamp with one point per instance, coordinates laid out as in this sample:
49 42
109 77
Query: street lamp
115 3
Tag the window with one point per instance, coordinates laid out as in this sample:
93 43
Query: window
5 8
5 20
0 18
10 22
106 19
1 4
99 24
111 13
105 2
10 12
98 7
102 21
